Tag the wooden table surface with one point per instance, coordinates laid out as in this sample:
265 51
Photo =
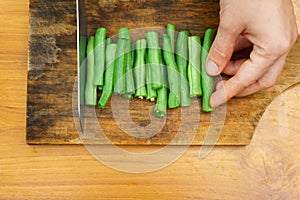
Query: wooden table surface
268 168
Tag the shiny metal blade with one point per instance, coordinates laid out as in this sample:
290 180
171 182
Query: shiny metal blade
81 57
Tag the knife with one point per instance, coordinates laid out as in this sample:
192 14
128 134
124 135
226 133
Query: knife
81 57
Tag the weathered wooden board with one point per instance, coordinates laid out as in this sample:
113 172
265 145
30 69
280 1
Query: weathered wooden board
52 75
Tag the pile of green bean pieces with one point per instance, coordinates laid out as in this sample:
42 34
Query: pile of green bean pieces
170 74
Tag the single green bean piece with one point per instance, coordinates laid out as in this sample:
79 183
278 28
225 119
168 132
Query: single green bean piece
151 94
108 42
120 67
160 109
182 63
100 38
130 85
90 88
82 67
207 81
171 28
140 68
194 75
163 69
153 59
129 80
173 74
120 64
129 90
108 74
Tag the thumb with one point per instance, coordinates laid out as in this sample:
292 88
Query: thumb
223 46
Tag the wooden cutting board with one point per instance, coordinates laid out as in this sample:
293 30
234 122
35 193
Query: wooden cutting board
52 79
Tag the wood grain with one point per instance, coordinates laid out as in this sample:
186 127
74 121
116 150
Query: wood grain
268 168
52 74
51 70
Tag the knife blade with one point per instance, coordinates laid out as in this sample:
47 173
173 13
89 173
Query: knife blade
81 57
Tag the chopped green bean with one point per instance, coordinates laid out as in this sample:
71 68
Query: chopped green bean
140 68
182 62
100 38
109 74
173 74
160 109
90 88
171 28
207 81
120 67
153 59
129 80
151 94
194 75
108 42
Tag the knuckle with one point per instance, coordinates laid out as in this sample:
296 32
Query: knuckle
276 49
285 45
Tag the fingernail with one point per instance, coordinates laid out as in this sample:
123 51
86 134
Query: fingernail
217 98
212 68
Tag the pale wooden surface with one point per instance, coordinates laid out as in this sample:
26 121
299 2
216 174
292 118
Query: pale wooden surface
269 168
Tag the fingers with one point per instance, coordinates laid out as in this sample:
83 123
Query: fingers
243 48
224 44
250 71
271 39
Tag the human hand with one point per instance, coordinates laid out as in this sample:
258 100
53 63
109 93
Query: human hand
267 25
